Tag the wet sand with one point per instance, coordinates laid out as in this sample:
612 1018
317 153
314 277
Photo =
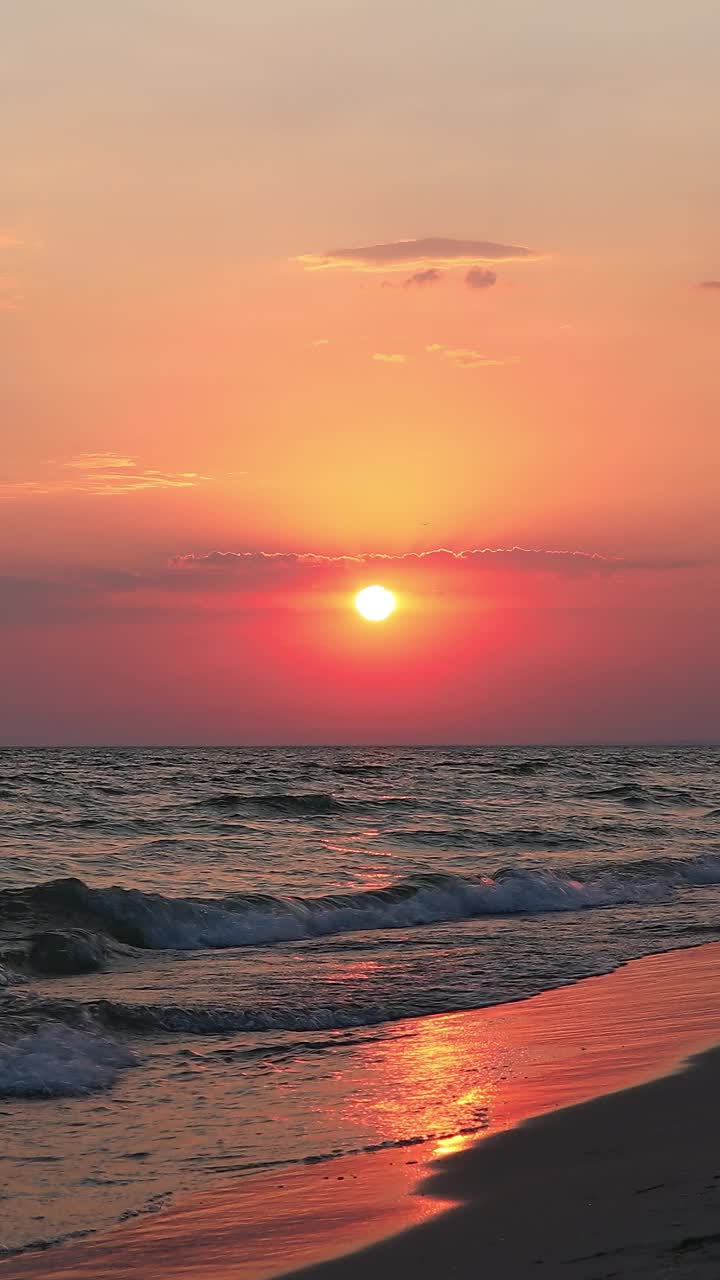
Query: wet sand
625 1185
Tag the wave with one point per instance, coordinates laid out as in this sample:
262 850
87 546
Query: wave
637 794
527 768
357 770
158 922
57 1061
473 838
207 1020
283 803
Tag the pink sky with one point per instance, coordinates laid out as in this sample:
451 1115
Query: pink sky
342 280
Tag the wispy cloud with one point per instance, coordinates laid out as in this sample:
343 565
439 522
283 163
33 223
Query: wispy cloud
431 275
467 358
438 251
709 284
389 357
480 278
8 240
99 475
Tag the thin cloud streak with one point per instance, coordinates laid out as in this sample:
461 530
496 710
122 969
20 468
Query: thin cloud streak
98 475
483 558
439 251
467 358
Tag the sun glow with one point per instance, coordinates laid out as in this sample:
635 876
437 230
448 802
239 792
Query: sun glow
375 603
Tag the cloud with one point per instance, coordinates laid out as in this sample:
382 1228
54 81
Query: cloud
99 462
99 475
266 565
224 583
388 357
320 342
480 278
709 284
440 251
9 241
430 275
467 358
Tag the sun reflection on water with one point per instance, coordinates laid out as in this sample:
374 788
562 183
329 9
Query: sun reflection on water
441 1087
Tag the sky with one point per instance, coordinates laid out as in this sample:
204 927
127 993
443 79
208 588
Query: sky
307 295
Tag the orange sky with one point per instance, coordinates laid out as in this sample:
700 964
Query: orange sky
325 278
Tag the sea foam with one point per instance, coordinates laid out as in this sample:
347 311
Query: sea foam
57 1061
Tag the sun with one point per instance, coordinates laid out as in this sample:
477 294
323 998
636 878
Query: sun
375 603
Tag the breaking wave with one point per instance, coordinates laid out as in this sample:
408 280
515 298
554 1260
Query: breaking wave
155 921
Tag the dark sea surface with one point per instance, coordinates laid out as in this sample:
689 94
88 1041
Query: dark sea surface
274 920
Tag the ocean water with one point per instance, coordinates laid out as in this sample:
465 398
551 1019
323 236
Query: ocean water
277 921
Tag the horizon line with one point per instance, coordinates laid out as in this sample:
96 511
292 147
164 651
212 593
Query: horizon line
549 744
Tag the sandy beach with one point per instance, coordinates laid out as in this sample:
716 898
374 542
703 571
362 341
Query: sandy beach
626 1184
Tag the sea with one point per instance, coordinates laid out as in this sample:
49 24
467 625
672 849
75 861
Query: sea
277 926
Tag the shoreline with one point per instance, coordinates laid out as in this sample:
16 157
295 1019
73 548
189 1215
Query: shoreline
627 1185
564 1047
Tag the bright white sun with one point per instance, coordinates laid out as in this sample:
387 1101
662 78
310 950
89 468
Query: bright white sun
375 604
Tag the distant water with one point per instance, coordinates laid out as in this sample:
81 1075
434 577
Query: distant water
265 909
